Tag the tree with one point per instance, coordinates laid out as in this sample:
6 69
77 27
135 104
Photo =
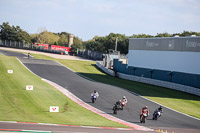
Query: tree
13 33
63 40
189 33
34 38
123 43
163 35
77 44
141 36
6 31
47 37
22 36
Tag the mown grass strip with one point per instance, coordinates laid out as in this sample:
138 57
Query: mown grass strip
17 104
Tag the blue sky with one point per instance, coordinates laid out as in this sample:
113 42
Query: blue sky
89 18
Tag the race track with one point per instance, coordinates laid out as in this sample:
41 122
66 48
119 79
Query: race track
82 88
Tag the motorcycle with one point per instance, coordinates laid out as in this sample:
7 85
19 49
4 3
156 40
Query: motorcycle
123 104
143 117
28 55
119 105
94 98
156 114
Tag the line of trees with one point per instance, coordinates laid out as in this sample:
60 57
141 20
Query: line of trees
15 33
100 44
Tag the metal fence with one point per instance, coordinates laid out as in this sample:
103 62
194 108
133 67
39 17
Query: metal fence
21 45
15 44
94 55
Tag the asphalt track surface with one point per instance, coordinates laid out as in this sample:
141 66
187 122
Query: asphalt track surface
82 88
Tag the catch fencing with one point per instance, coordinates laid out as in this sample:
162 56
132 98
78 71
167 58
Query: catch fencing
94 55
29 46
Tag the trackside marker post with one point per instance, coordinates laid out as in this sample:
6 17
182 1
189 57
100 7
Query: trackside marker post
29 87
10 71
54 109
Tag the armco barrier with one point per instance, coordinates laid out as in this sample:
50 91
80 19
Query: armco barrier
174 86
170 85
106 70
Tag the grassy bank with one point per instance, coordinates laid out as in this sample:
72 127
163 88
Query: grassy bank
17 104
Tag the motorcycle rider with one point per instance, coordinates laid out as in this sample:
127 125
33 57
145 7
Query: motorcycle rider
160 109
29 54
95 93
123 100
144 111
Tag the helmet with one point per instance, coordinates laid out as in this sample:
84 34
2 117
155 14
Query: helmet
124 97
146 107
160 107
95 91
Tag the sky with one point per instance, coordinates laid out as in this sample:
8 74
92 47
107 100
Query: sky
88 18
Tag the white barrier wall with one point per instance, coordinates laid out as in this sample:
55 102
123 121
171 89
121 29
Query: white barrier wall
169 85
160 83
106 70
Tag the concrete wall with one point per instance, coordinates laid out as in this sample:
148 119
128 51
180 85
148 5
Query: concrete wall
187 79
106 70
170 85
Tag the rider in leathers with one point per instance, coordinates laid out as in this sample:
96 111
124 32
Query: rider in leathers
124 99
95 93
144 111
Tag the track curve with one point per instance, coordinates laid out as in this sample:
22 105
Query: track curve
82 88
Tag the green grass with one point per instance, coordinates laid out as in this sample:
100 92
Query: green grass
180 101
17 104
44 57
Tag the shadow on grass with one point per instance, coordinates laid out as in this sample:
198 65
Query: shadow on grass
141 88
